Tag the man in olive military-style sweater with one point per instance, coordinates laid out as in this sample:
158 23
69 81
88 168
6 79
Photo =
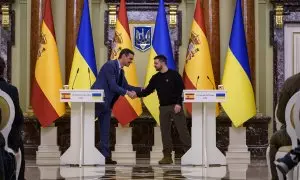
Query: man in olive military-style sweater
281 138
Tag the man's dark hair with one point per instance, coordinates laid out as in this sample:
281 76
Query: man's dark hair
126 52
2 66
161 58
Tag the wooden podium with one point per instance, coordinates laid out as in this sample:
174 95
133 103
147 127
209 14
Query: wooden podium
203 133
82 150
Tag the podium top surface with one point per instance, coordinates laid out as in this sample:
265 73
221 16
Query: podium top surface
193 95
81 95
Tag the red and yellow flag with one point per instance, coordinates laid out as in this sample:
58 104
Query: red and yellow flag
47 77
125 109
198 71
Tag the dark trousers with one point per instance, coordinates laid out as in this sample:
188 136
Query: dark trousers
279 138
289 161
22 169
104 127
166 116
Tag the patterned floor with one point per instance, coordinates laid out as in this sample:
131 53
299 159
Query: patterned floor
256 170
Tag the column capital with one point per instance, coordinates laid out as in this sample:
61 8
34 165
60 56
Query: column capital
190 1
262 2
23 1
96 1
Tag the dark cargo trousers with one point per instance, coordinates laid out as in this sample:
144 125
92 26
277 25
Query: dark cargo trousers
166 116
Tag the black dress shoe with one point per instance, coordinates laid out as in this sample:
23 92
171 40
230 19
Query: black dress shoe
110 161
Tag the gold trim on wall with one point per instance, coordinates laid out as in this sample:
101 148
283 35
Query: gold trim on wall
279 16
141 22
173 16
5 16
112 17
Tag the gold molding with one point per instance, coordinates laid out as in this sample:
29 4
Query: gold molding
173 15
5 16
279 16
96 1
29 112
112 15
190 2
23 2
141 22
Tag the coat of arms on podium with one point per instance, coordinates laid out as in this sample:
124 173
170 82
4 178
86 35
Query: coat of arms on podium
142 38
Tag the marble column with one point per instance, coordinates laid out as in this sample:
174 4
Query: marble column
212 24
226 18
35 30
249 25
73 16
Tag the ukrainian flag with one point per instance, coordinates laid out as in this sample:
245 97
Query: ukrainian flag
161 44
84 68
240 103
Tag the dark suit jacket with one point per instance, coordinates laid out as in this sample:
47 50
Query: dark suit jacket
2 144
14 137
107 79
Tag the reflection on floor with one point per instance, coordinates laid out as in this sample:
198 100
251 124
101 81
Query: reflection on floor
256 170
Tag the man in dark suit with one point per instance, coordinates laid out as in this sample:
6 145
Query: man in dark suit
14 138
112 80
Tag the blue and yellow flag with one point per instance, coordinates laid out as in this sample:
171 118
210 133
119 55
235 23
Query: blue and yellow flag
84 68
161 44
240 102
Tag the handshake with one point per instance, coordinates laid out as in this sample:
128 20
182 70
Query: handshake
131 94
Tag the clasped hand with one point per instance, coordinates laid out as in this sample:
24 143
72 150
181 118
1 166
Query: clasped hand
131 94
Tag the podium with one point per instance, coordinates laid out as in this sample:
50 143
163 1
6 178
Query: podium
82 150
203 149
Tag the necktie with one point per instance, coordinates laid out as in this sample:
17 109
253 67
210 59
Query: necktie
121 75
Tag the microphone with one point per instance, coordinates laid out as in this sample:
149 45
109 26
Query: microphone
75 77
89 75
197 81
211 82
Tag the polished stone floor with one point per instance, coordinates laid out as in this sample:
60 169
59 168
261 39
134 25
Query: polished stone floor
142 170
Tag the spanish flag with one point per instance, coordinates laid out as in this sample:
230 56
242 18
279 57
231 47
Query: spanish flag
240 103
47 76
161 45
198 71
84 69
125 109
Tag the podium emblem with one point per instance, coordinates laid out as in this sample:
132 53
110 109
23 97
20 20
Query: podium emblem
189 96
142 38
220 95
